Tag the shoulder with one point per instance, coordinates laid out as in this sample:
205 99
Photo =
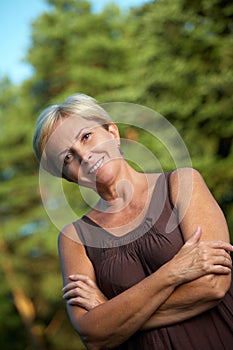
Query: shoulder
69 233
72 254
185 174
197 206
185 183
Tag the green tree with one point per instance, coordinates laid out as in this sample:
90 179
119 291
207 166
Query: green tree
75 50
185 73
72 50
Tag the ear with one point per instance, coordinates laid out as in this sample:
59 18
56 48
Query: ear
113 130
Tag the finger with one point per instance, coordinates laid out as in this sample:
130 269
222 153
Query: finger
77 291
85 285
220 270
78 288
210 257
74 285
83 278
71 293
77 301
226 261
91 283
78 277
195 237
74 293
223 245
81 302
207 250
69 286
215 263
222 261
223 253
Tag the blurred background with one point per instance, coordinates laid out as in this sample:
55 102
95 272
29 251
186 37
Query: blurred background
174 56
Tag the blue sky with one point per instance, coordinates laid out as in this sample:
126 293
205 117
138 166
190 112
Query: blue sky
15 19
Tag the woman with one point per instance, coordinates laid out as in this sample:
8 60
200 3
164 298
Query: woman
129 283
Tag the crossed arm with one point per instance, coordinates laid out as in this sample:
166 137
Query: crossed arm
198 266
191 299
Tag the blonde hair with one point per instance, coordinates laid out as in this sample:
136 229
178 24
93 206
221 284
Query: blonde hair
79 105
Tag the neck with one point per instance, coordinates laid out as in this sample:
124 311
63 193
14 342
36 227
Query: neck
123 191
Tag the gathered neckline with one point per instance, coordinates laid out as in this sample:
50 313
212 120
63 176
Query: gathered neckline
147 218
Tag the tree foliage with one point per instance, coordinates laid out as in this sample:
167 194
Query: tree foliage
174 56
83 51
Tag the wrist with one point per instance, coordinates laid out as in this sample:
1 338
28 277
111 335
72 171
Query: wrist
169 275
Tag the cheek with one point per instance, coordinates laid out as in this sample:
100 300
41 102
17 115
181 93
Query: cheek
109 169
103 142
115 154
71 171
111 148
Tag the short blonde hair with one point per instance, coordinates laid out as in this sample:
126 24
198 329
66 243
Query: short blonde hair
79 105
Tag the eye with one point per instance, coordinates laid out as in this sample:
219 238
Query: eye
86 136
68 158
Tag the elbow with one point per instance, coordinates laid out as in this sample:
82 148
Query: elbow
96 343
218 286
96 346
99 341
95 334
219 293
94 338
91 341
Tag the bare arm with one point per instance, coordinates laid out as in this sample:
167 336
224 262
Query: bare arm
197 296
113 322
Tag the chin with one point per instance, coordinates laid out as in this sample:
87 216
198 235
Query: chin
105 176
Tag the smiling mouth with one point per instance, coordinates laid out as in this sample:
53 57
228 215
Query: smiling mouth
96 166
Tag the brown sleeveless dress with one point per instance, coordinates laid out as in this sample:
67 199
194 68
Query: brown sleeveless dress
121 262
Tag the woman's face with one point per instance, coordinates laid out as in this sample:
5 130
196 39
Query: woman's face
85 152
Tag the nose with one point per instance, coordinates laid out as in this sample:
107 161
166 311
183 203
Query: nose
86 157
83 153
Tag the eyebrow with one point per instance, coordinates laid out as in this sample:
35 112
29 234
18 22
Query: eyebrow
75 139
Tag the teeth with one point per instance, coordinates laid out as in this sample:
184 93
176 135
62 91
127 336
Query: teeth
96 166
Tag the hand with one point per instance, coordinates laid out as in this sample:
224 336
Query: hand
82 291
196 259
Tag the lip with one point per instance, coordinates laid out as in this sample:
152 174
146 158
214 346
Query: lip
96 166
